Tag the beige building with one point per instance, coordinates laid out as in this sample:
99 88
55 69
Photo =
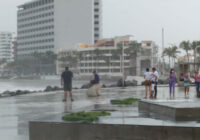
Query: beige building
107 57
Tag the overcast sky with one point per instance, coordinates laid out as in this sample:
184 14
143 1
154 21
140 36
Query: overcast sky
142 18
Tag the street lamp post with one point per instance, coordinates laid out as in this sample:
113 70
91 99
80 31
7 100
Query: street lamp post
123 65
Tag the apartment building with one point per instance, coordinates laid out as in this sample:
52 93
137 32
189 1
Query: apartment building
107 57
6 46
54 25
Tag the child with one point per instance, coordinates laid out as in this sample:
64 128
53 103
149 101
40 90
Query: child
152 89
187 85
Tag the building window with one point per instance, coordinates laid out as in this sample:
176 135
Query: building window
96 29
96 16
96 22
96 10
96 35
96 3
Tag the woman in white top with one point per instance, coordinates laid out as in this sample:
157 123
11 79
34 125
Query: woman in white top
147 77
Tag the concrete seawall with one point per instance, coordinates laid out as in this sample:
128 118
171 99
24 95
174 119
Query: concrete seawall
78 131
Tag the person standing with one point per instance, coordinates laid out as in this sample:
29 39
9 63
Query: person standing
147 77
187 85
197 81
172 82
155 77
66 81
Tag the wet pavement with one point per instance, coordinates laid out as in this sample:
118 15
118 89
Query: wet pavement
16 112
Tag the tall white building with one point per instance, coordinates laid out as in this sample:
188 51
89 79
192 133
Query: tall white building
6 46
53 25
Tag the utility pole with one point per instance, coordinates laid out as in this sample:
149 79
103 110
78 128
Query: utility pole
163 47
123 78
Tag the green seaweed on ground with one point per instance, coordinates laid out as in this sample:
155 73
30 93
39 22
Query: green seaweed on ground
128 101
86 117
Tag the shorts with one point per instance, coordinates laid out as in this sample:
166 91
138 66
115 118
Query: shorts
186 84
68 87
147 83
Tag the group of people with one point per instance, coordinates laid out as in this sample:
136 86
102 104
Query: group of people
186 82
151 81
66 82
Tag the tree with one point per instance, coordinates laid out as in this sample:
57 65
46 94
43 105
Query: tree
37 60
168 52
186 45
23 65
194 46
174 51
49 57
133 49
70 60
171 52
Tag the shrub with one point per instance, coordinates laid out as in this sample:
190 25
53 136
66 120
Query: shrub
86 117
128 101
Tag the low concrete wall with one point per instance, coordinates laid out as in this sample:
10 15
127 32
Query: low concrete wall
169 112
161 111
74 131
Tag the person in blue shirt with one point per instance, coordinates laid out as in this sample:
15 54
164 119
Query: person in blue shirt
96 79
95 84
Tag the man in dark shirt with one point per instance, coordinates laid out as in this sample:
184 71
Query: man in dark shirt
66 81
96 78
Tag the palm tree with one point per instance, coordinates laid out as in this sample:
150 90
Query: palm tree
174 51
186 45
23 65
50 57
71 60
168 52
194 45
133 49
